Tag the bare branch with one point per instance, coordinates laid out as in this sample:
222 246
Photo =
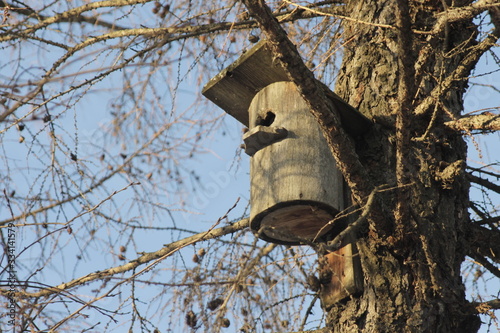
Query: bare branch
163 253
450 15
338 241
97 184
463 69
80 18
406 91
484 242
186 30
484 171
484 123
488 221
321 330
486 264
332 13
484 182
483 307
72 13
465 13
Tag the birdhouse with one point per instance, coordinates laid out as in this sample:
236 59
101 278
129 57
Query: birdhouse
296 189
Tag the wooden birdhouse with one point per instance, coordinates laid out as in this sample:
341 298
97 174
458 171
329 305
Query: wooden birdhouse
296 189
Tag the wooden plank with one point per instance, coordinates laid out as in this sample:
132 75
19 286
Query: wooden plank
234 88
346 277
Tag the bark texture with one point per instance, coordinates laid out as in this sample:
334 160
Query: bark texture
411 261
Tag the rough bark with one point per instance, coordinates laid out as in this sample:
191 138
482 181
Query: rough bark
484 123
412 264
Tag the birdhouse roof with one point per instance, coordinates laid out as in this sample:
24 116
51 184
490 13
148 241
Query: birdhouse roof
234 88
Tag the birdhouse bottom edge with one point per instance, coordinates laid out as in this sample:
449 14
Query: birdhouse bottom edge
297 222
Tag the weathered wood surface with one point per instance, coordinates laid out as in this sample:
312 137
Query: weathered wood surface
262 136
234 88
295 186
346 276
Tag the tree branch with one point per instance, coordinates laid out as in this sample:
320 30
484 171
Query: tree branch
457 14
321 330
469 61
488 221
405 93
450 15
483 307
484 123
484 242
484 182
73 13
353 227
93 20
168 34
161 254
486 264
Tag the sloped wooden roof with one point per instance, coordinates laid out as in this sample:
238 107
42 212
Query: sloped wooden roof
234 88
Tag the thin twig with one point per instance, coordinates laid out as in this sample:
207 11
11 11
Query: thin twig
337 242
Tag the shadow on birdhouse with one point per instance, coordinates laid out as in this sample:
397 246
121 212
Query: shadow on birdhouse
296 189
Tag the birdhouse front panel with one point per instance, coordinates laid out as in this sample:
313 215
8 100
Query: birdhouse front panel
296 189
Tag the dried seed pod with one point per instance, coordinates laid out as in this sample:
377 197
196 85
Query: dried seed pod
224 322
325 276
253 38
123 248
196 259
313 283
244 16
201 252
215 303
191 319
246 328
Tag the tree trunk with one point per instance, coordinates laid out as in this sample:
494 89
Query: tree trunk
411 262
